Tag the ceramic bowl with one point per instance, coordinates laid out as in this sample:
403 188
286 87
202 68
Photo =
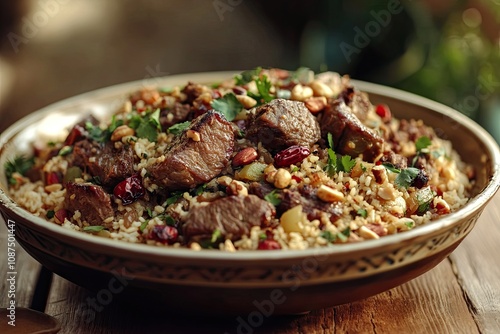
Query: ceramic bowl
269 282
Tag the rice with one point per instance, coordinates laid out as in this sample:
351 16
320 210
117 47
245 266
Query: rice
370 199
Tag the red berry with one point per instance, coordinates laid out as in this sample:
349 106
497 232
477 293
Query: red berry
297 178
291 155
74 135
52 178
384 112
60 216
129 190
269 244
165 234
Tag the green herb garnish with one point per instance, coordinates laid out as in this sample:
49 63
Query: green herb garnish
245 77
143 225
50 214
20 164
273 198
178 128
422 143
174 197
347 163
341 236
65 150
216 235
424 199
263 87
362 212
147 126
391 167
93 229
228 105
406 177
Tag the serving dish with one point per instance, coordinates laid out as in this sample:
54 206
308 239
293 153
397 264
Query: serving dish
272 282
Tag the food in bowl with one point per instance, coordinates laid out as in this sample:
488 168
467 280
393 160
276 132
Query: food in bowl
269 159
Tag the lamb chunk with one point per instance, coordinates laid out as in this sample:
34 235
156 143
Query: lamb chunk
91 200
179 113
283 123
312 206
193 161
358 102
395 159
260 189
233 216
349 135
109 164
193 91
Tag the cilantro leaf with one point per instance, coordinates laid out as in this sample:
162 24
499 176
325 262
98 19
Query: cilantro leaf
93 228
424 199
331 237
347 163
146 126
19 164
330 140
174 197
328 236
422 143
228 105
406 177
179 127
331 164
246 76
390 167
100 135
273 198
409 224
263 87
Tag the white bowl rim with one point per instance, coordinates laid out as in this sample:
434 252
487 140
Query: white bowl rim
125 248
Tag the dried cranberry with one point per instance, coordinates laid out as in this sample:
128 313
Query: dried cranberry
165 234
239 90
269 244
291 155
384 112
129 190
52 178
297 178
74 135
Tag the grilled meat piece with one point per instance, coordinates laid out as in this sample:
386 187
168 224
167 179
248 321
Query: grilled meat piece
282 123
197 155
91 200
179 113
350 136
233 216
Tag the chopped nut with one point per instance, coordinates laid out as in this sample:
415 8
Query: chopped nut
246 101
328 194
122 131
321 89
387 193
282 178
315 104
224 180
270 173
356 171
380 174
441 206
194 135
237 188
301 93
366 233
53 187
245 156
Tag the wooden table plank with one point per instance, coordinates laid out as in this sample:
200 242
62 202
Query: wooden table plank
477 264
27 272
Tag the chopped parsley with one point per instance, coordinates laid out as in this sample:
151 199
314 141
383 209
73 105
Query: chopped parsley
410 224
262 236
174 197
20 165
333 237
245 77
169 220
50 214
228 105
65 150
102 135
362 212
263 87
93 229
149 126
273 198
406 177
422 143
336 163
178 128
216 235
199 190
143 225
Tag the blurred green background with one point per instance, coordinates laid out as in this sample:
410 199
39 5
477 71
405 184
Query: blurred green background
448 51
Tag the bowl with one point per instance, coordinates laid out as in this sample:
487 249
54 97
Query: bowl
271 282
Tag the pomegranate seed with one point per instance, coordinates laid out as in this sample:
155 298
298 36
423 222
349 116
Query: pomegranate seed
384 112
292 155
297 178
52 178
165 234
129 190
60 216
269 244
74 135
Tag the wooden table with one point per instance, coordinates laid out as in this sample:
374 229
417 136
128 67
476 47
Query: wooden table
460 295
